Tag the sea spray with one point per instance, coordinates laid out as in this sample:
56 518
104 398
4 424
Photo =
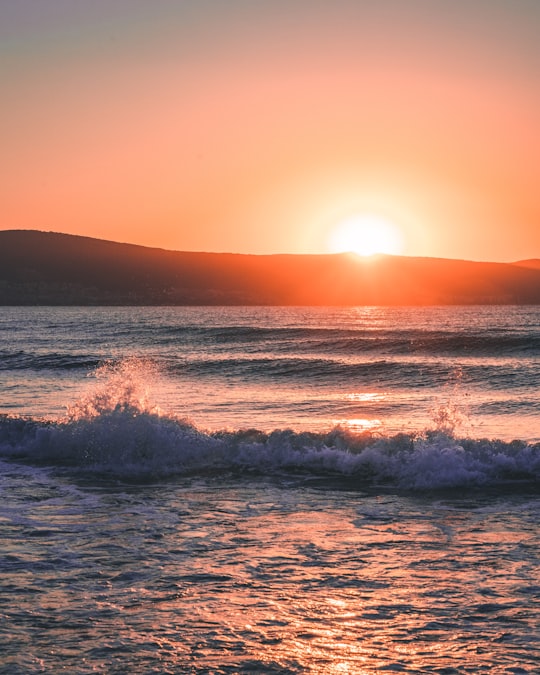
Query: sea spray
122 385
451 412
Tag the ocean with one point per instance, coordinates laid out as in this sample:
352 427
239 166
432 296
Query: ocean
270 490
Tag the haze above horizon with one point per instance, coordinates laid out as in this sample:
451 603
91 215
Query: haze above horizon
270 127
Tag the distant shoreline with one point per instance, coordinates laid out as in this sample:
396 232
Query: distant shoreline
52 269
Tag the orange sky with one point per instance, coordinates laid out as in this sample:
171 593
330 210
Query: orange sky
258 127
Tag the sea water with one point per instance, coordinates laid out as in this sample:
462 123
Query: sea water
270 490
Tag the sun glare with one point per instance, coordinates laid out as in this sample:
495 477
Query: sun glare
366 235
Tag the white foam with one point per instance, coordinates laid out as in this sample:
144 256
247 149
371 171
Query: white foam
129 444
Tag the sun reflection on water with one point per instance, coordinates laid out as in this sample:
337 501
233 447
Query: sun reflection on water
360 424
366 396
227 576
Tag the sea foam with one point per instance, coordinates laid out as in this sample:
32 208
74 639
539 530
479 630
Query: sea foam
132 445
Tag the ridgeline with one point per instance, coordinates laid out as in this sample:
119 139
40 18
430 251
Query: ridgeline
48 268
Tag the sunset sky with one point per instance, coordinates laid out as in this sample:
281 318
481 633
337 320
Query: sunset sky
261 126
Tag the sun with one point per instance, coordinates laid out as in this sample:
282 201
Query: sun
365 235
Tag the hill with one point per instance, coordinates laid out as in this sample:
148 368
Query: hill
47 268
533 263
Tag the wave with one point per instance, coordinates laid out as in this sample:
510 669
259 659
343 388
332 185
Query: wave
419 343
21 360
315 343
388 371
352 341
384 371
115 431
128 444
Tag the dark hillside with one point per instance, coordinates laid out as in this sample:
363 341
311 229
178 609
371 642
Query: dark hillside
533 263
60 269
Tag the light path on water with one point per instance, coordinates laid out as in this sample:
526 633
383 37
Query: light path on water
258 575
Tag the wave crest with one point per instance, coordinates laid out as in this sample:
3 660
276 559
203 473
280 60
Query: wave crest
132 445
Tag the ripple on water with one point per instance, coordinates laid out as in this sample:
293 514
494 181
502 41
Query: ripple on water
255 575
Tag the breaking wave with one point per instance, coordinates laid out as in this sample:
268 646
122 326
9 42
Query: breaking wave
115 431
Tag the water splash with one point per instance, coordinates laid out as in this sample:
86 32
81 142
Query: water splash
451 414
122 386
